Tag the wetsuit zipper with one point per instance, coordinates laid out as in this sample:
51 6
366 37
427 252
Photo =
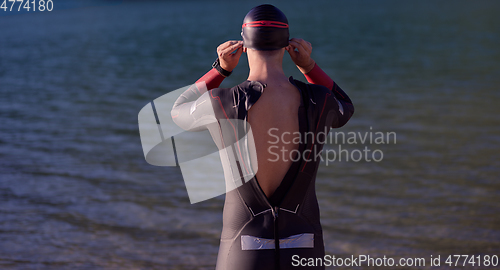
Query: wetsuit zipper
276 239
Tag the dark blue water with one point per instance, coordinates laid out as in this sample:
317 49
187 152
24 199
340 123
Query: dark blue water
76 192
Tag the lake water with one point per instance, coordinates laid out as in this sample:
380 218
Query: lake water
76 192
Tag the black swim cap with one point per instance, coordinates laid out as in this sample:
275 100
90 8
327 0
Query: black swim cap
265 28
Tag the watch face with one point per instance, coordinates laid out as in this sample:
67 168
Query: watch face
216 63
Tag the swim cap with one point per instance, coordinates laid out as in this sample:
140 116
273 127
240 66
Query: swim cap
265 28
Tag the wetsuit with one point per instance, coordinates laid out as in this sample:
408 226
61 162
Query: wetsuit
260 232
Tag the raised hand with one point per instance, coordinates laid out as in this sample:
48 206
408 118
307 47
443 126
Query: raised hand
229 54
300 52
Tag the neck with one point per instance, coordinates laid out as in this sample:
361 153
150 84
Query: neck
266 70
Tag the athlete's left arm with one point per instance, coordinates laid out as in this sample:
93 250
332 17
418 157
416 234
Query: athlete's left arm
300 52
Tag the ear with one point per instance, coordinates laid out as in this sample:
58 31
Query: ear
245 49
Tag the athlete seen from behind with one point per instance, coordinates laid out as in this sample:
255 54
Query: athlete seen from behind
275 214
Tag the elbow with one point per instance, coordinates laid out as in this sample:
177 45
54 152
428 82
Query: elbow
350 110
341 123
176 118
344 118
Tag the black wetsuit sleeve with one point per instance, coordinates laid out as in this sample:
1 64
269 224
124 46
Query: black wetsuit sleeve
192 106
193 111
346 108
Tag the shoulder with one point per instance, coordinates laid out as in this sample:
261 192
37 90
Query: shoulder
315 92
217 92
236 100
223 97
321 104
247 89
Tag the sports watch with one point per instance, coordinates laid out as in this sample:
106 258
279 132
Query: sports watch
221 71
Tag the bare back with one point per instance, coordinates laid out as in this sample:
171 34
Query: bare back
275 112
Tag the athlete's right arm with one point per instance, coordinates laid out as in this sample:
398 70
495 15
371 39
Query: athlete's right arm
191 109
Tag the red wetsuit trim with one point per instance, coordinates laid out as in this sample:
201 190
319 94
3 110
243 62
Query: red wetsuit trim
318 76
212 79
